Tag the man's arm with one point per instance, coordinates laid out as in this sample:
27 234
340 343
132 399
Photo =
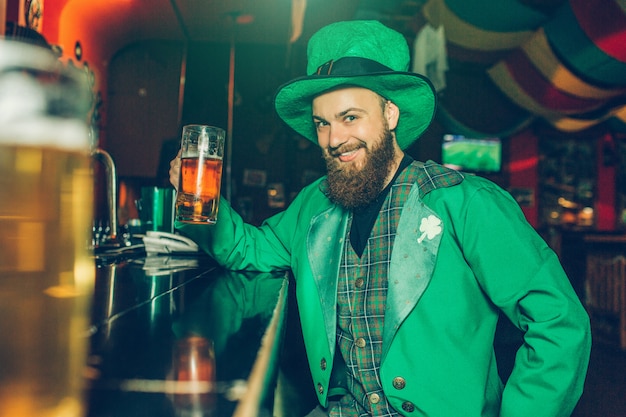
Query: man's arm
524 278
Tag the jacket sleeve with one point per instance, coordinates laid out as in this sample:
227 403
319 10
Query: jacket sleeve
524 278
239 246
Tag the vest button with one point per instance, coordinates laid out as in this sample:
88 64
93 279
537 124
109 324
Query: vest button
359 282
323 364
374 398
360 342
399 382
408 406
320 388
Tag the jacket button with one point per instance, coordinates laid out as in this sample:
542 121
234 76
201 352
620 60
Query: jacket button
360 342
374 398
323 364
399 382
408 406
359 282
320 388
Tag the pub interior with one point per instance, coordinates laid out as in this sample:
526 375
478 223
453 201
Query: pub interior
541 81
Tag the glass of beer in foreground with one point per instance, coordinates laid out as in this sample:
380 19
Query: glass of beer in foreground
46 271
200 174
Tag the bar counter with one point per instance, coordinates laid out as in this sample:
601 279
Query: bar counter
149 310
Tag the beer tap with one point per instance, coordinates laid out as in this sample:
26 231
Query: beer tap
105 158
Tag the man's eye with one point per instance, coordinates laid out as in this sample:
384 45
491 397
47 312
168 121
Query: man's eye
320 123
350 118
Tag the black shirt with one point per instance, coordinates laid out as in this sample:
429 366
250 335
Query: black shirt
363 218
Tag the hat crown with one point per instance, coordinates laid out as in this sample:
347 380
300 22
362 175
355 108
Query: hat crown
358 38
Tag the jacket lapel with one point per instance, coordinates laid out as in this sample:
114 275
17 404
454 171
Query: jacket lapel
324 247
412 262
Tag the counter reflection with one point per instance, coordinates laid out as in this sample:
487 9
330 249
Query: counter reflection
176 337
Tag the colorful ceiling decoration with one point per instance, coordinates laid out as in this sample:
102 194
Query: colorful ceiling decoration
567 66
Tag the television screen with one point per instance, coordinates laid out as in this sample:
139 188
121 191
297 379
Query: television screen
472 154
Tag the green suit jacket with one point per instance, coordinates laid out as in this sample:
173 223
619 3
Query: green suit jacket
462 254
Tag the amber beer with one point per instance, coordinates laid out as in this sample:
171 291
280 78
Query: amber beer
199 190
193 370
46 271
198 195
46 279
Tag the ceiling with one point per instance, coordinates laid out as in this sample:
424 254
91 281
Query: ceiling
510 62
257 21
267 21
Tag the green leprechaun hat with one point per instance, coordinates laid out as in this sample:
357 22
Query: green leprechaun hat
359 53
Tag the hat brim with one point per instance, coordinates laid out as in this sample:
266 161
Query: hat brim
411 92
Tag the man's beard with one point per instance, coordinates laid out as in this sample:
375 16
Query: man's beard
353 188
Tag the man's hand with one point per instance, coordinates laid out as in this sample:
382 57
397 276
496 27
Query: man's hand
175 170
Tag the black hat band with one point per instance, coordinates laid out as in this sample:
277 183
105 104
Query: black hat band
351 65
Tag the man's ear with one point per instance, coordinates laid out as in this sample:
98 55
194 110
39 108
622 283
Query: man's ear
392 114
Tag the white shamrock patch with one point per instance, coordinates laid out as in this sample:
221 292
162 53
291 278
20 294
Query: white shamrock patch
430 227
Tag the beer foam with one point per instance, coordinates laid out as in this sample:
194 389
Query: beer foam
23 54
64 134
26 101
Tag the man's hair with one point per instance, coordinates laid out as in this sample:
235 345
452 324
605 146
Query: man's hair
383 101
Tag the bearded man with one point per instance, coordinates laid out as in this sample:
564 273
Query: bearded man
402 267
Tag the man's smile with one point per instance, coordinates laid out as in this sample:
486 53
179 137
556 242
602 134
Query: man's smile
347 153
350 155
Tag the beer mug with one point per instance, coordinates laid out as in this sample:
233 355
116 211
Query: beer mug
198 195
46 271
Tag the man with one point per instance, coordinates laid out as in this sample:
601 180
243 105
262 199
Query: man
402 267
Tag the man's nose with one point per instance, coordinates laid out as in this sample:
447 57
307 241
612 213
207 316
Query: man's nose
338 135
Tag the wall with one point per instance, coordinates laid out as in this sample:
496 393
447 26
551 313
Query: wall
142 95
523 168
143 81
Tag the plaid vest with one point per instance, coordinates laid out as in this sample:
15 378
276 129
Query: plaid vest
362 295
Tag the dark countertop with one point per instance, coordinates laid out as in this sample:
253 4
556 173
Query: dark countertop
145 307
